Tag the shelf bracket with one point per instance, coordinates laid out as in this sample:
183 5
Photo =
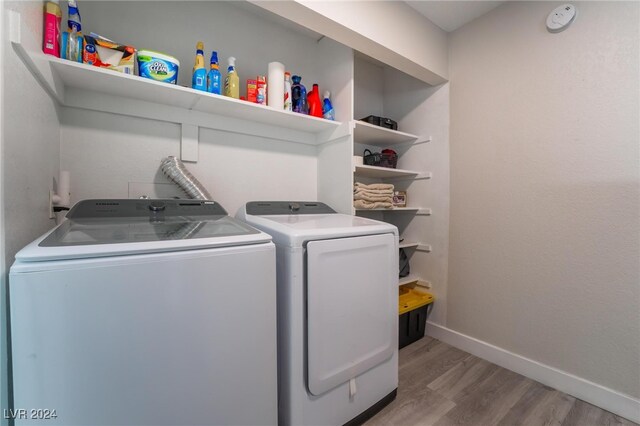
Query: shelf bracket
189 143
419 176
423 140
345 129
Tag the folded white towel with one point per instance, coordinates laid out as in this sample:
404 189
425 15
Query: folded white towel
362 204
374 186
374 192
372 197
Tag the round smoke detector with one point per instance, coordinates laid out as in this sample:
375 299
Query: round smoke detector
561 17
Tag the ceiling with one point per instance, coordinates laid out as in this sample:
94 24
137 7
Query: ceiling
451 15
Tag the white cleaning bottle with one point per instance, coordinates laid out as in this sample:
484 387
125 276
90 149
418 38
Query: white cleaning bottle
288 106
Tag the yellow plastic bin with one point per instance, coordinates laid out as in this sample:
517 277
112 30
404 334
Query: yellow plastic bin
413 308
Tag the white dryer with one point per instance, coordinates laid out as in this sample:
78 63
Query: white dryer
337 280
145 312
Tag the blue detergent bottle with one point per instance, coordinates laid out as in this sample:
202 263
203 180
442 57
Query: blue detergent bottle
214 76
299 96
327 109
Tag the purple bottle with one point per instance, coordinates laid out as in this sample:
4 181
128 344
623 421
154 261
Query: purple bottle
299 96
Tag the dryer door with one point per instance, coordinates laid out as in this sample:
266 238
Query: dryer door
352 307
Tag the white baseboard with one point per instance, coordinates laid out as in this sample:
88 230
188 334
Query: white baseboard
593 393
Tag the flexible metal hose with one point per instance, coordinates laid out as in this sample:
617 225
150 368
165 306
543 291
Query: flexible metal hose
175 170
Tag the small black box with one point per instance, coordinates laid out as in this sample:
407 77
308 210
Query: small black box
381 121
411 325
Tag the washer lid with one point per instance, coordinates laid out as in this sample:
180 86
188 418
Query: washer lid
96 228
295 229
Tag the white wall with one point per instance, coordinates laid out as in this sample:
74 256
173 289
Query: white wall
30 157
104 152
544 256
369 93
389 31
4 335
395 26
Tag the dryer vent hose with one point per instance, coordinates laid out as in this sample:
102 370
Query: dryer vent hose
177 172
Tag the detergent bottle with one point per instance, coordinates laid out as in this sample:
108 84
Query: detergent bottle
214 76
299 96
315 105
199 81
327 108
52 18
75 39
232 81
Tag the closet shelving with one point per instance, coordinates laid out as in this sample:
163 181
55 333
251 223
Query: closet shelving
388 173
87 87
416 210
369 134
411 279
372 97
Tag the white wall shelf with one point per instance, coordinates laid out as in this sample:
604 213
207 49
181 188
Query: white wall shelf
369 134
409 279
384 172
415 245
84 86
408 244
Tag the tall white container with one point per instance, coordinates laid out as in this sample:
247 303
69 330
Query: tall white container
275 85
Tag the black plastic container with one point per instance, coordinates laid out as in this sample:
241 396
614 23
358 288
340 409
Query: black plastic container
381 121
412 324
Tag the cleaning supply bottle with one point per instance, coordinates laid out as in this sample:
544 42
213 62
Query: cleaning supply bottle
327 108
315 105
214 76
75 39
299 96
199 80
232 81
52 18
287 91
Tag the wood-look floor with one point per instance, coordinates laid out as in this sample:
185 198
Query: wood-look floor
441 385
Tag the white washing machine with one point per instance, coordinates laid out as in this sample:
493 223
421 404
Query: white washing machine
337 280
145 312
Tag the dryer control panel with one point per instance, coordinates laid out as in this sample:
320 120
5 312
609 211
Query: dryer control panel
266 208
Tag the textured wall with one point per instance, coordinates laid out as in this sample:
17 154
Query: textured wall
544 254
30 155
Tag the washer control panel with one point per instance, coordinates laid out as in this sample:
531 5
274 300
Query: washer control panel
131 208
